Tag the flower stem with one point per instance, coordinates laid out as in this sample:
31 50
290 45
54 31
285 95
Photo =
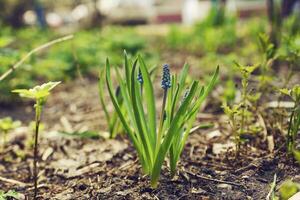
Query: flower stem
38 110
162 119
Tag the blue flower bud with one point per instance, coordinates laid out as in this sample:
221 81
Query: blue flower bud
185 95
140 77
166 79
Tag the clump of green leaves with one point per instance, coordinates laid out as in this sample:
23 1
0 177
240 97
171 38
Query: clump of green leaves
239 114
40 95
294 120
6 125
9 194
153 139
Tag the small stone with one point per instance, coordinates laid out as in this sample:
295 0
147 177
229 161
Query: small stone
245 177
197 191
224 186
222 173
194 181
21 196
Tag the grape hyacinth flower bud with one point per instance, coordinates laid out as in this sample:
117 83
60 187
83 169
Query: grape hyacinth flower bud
140 77
185 95
166 79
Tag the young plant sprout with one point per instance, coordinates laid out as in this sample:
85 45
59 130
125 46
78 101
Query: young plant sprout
233 113
6 125
294 121
39 94
139 119
245 72
239 114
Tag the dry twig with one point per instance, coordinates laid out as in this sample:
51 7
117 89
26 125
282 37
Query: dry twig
12 181
44 46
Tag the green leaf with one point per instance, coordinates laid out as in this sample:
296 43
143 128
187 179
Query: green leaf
285 91
140 118
38 92
297 155
101 94
129 131
127 70
149 99
7 124
10 193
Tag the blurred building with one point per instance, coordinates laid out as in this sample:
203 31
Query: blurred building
87 13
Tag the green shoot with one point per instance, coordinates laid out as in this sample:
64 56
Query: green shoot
6 125
239 114
294 121
271 194
39 94
233 114
9 194
153 139
245 72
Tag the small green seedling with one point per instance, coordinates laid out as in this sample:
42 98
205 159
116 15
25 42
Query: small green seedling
40 95
271 195
233 114
245 71
6 125
240 116
151 139
294 121
10 194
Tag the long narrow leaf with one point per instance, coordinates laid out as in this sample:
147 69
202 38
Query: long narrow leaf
149 98
139 118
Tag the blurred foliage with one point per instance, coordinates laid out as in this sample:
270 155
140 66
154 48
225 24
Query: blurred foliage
84 54
218 40
214 34
288 189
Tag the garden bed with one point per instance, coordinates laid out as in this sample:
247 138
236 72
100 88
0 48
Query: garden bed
72 167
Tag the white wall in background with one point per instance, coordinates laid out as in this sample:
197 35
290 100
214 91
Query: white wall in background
194 10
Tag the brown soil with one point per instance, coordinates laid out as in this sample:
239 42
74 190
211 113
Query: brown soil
72 167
